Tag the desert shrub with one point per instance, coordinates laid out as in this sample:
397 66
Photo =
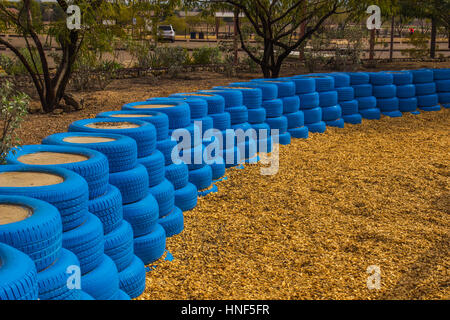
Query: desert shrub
206 55
419 42
6 63
13 108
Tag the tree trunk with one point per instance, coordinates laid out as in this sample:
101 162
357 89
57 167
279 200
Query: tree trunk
236 18
433 38
391 49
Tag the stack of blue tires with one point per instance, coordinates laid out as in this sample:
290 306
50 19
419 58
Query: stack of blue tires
255 95
346 98
133 183
442 80
120 221
385 92
328 100
367 103
406 91
70 226
309 103
427 98
274 108
234 105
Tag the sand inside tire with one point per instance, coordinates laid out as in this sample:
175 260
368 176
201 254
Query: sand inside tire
131 115
28 179
50 158
83 140
10 213
112 125
154 106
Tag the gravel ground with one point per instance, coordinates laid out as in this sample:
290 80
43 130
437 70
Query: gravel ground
371 194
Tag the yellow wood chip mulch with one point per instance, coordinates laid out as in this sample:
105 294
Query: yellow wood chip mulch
370 194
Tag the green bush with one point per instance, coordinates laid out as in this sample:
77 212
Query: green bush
419 42
13 108
206 55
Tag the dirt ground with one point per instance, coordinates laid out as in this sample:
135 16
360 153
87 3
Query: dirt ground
370 194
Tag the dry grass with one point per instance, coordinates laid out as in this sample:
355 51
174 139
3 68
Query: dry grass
372 194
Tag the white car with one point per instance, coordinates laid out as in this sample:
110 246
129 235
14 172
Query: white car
166 32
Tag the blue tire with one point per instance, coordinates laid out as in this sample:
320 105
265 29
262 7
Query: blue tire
291 104
18 276
70 196
358 78
284 138
363 90
328 98
201 178
186 197
295 119
232 157
317 127
428 100
173 223
244 126
441 74
299 133
341 80
178 111
144 134
331 113
158 119
423 89
407 104
101 283
260 128
197 106
206 123
121 296
216 103
352 118
155 167
166 147
345 94
274 108
323 82
191 133
248 149
309 100
133 184
381 78
338 123
38 234
367 103
238 114
108 208
433 108
151 247
218 170
286 87
406 91
178 175
222 121
53 281
443 86
194 157
388 104
142 215
94 169
402 78
119 245
233 98
349 107
252 97
312 115
132 279
444 97
392 114
85 296
370 114
269 90
280 123
120 150
303 85
257 115
86 242
164 194
422 76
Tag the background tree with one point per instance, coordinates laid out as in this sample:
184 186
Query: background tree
26 22
274 23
